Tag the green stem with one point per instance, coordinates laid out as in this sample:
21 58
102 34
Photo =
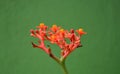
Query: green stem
64 67
61 62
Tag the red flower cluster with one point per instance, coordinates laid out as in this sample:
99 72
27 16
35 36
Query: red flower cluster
59 36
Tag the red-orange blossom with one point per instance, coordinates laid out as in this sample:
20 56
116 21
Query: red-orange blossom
58 36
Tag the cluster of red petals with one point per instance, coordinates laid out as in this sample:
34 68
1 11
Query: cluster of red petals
59 36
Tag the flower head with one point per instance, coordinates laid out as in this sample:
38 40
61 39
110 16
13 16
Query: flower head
58 36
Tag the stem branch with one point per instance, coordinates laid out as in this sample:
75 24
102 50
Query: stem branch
61 62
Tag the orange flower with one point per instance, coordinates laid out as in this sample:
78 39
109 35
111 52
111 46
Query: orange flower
53 38
62 32
55 28
42 26
80 31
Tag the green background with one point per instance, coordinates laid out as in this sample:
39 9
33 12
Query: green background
100 53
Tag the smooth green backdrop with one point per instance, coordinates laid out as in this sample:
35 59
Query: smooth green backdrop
100 53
